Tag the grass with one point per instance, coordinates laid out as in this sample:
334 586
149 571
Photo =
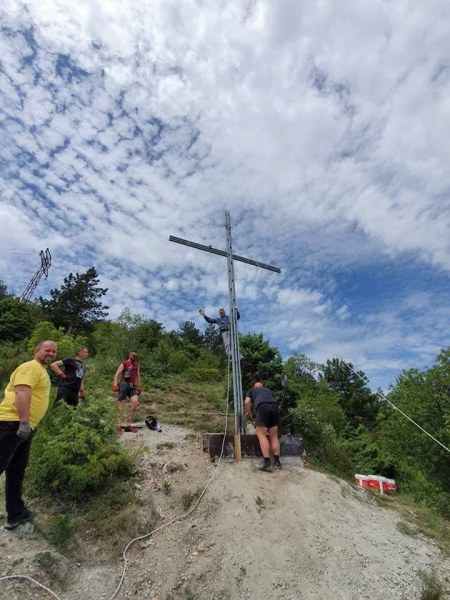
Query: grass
431 587
417 518
197 406
406 528
167 487
188 498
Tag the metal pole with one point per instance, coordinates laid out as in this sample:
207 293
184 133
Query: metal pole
234 337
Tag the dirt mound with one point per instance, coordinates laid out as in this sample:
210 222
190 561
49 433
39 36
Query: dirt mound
290 534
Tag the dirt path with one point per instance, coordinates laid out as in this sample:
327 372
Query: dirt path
285 535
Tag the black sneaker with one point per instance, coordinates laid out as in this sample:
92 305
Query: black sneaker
25 517
265 466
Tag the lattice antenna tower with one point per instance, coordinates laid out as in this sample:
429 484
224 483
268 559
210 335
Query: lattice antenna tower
46 261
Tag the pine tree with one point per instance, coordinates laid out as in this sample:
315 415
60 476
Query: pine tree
76 306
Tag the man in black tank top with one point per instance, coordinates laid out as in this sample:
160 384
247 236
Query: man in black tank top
261 401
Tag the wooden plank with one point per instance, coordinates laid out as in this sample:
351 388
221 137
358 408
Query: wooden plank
290 445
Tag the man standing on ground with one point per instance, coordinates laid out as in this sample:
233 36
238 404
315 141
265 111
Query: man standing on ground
26 402
127 382
224 325
71 385
261 401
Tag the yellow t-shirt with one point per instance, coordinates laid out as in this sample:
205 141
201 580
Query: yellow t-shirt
34 375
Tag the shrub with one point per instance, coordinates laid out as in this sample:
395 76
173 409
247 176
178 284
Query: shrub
76 453
62 530
203 374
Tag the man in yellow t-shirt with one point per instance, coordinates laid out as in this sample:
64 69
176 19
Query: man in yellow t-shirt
25 403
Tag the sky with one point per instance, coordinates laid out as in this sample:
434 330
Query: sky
321 127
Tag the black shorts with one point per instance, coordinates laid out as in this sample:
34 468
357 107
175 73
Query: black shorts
68 395
267 415
126 390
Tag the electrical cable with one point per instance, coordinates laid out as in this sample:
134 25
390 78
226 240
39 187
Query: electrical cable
44 587
383 397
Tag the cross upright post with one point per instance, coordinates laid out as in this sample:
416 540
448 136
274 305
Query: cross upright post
234 337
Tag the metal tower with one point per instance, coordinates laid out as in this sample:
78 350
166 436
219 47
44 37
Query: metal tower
46 261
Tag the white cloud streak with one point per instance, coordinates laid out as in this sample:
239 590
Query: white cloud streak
321 127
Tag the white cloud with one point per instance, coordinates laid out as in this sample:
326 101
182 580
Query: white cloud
321 127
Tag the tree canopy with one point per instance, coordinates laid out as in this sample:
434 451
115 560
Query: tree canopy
76 306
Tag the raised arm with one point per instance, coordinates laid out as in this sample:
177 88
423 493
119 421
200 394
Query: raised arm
208 319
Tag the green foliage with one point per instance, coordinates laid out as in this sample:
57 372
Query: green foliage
111 339
188 498
76 305
212 339
67 344
76 453
190 335
261 359
406 528
3 289
139 331
11 356
205 374
62 529
368 455
358 402
432 589
421 465
15 319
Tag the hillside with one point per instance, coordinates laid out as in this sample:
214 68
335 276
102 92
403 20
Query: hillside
290 534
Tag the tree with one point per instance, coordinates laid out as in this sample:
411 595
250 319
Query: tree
3 289
359 403
67 344
261 360
76 305
190 334
422 465
212 339
15 319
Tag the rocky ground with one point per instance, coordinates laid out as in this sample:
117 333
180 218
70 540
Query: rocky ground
294 534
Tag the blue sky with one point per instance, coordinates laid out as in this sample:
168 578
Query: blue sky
322 127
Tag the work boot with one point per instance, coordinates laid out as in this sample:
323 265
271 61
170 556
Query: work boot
26 516
265 466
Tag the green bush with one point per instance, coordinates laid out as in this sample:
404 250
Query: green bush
67 344
76 453
203 374
11 356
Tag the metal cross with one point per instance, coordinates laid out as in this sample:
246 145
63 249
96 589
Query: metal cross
234 337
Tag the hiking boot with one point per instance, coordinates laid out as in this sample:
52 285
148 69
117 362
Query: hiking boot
265 466
277 466
25 517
